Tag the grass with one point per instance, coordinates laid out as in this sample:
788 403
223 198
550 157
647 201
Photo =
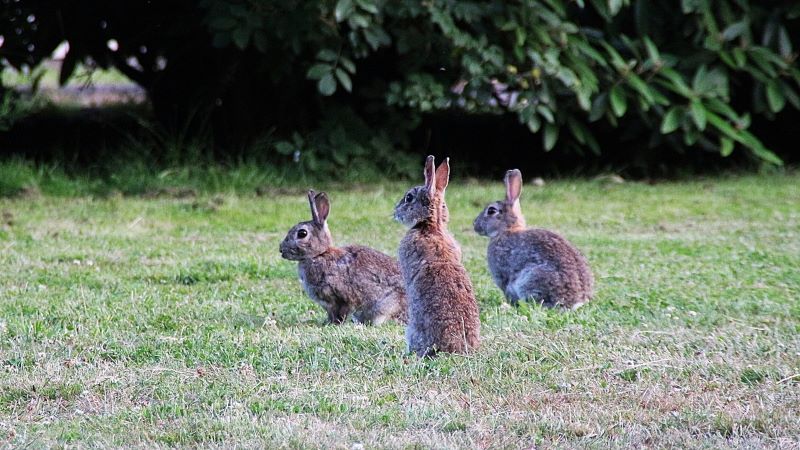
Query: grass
137 176
48 74
128 321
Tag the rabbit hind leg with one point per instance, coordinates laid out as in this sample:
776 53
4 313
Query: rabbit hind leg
537 284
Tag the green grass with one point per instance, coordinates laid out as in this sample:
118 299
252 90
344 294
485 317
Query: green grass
136 176
140 322
48 76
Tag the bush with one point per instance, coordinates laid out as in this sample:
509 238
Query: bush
340 82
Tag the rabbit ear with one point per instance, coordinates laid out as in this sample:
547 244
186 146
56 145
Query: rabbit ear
430 174
323 208
513 182
443 175
313 204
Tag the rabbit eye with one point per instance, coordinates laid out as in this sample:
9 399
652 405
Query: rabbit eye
491 211
409 198
301 233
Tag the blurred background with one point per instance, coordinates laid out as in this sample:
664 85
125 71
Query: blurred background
358 90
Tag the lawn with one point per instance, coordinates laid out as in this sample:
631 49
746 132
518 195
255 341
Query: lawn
130 321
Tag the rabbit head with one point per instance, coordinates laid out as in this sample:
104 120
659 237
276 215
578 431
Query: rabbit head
425 204
309 239
503 214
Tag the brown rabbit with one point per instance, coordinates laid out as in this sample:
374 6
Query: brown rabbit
531 264
442 311
353 280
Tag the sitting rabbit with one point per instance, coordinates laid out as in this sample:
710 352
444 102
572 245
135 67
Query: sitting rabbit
442 310
530 263
353 280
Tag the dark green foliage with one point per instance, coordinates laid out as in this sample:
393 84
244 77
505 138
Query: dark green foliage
330 84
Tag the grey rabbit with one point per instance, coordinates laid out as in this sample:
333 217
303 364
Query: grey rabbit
531 263
353 280
442 310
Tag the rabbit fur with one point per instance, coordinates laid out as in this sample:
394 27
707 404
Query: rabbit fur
352 281
442 310
530 263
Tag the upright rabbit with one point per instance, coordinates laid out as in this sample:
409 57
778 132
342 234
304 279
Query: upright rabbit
531 264
353 280
442 311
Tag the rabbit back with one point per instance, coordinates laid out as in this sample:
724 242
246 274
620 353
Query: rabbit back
355 280
442 310
541 265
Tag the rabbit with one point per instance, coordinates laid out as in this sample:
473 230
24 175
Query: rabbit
442 310
530 263
353 280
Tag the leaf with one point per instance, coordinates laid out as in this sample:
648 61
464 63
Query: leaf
727 58
327 55
241 36
769 32
690 136
775 98
343 10
589 51
367 6
723 108
318 71
344 79
284 147
677 83
709 20
745 138
592 143
616 58
770 56
546 113
614 6
689 6
672 120
583 135
790 94
618 103
784 43
577 131
652 51
599 106
584 98
534 124
734 30
550 136
700 81
725 146
372 38
698 114
347 63
739 56
327 85
716 83
642 87
358 21
762 60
